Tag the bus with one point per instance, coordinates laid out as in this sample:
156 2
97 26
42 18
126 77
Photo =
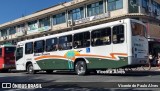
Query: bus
113 45
7 57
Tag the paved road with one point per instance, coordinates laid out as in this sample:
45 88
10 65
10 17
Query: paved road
68 80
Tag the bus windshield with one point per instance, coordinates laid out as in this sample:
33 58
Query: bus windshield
9 50
138 29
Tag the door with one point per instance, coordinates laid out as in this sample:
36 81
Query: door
20 59
9 58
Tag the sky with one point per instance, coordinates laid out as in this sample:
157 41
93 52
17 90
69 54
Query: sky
14 9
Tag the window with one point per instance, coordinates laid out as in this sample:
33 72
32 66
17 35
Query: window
32 25
159 7
12 30
39 46
145 3
82 40
29 48
95 9
118 34
44 22
138 29
76 14
101 37
0 52
51 45
3 32
115 4
21 28
19 53
9 50
155 6
59 18
65 42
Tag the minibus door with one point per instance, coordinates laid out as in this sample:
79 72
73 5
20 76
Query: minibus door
20 59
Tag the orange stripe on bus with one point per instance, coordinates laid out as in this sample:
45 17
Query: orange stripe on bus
50 56
112 56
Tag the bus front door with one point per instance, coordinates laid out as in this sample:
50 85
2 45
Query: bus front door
20 59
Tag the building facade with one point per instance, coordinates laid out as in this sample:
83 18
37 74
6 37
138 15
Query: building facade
83 13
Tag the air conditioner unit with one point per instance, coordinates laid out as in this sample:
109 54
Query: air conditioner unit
150 9
70 22
4 37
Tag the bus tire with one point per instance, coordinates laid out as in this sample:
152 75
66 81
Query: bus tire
30 69
81 68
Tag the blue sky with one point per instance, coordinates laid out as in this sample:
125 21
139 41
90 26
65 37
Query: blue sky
13 9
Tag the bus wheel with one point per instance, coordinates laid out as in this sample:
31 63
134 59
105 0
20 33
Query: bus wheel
81 68
30 69
49 71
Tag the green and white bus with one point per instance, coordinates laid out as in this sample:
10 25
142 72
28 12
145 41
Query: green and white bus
117 44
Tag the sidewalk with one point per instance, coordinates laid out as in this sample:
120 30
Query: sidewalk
154 69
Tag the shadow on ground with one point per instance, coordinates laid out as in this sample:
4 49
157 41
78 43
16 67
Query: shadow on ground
52 85
128 73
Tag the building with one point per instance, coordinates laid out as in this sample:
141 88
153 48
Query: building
82 13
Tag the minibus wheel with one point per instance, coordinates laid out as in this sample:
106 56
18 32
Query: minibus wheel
30 69
81 68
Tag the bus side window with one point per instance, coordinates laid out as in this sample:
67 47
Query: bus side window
82 40
65 42
29 48
51 45
86 39
39 46
101 37
118 34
